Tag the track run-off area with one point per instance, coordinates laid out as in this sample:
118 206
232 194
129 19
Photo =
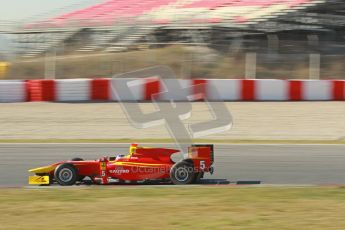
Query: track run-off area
268 163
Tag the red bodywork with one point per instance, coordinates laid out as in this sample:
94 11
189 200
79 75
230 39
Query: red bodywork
141 163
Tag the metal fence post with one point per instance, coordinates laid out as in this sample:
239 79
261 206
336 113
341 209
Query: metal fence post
250 71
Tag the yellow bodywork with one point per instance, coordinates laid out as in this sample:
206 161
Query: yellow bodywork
38 180
43 170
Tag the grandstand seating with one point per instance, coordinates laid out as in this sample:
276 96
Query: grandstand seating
110 11
164 11
237 11
117 24
47 41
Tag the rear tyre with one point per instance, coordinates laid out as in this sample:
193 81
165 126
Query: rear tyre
66 174
197 177
182 173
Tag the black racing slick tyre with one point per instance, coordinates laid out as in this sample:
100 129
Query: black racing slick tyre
182 173
66 174
197 177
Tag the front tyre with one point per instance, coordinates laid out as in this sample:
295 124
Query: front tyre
182 173
66 174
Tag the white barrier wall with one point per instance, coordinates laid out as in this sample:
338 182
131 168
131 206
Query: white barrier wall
109 89
129 89
12 91
224 89
272 90
73 90
315 90
174 93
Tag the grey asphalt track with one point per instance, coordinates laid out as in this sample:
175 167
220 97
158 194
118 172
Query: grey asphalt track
270 164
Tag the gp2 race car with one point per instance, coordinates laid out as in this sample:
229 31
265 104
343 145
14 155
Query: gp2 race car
142 164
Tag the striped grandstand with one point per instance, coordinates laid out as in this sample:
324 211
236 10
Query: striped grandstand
117 25
174 11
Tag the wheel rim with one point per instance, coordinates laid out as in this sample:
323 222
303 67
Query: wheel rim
181 174
65 175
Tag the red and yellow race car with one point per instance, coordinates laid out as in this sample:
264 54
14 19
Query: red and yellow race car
142 164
